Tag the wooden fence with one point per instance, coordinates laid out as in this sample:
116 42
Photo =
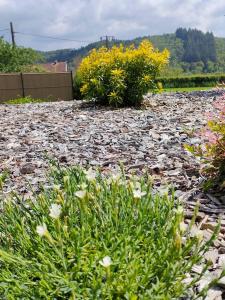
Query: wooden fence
50 86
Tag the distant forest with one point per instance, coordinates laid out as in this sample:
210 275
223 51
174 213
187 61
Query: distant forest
192 52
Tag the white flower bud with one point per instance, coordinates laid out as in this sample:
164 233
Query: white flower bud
106 261
42 230
55 211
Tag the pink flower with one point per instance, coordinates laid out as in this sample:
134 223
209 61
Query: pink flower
220 102
211 137
209 115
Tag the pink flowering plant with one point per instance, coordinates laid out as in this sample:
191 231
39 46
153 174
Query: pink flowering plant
212 150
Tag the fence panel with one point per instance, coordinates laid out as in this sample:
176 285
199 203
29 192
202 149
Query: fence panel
10 86
49 86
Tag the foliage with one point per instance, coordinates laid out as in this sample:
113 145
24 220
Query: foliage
36 68
76 87
16 59
203 80
24 100
210 52
121 76
92 237
198 46
212 149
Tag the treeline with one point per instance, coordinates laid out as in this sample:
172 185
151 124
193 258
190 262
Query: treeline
197 45
191 52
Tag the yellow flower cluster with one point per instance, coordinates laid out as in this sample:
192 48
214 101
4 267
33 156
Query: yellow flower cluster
121 76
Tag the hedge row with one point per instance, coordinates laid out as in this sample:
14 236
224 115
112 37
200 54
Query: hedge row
192 81
201 80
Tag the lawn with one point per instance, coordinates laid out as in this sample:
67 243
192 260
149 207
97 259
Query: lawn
187 89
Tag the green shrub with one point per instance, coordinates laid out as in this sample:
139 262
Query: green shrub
76 88
17 59
203 80
89 237
120 76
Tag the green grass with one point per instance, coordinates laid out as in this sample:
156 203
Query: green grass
188 89
24 100
91 237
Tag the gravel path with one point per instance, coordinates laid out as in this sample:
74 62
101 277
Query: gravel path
140 139
150 139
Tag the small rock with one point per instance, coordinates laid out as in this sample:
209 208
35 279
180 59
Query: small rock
221 261
214 294
212 256
27 168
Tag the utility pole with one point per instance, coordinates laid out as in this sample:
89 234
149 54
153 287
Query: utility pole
107 39
12 34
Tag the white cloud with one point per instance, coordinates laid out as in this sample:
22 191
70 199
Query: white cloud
90 19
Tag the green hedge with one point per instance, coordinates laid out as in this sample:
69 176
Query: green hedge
192 81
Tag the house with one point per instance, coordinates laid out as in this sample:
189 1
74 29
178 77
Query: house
55 67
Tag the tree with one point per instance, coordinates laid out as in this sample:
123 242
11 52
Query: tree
16 59
181 33
197 45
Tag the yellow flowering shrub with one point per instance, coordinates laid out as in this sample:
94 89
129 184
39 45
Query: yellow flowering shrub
121 76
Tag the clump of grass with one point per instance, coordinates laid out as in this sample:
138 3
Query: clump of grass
90 237
24 100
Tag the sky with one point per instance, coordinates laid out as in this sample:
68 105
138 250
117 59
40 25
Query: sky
85 21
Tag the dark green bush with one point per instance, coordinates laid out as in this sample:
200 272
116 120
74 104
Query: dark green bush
76 88
192 81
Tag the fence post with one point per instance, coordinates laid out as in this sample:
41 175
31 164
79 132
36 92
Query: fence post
71 73
22 83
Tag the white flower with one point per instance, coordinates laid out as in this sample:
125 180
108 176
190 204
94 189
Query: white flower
116 177
163 190
106 262
183 227
179 210
183 239
81 194
196 232
42 229
90 174
55 211
137 185
199 235
138 194
109 180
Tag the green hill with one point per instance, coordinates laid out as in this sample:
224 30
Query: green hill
192 51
